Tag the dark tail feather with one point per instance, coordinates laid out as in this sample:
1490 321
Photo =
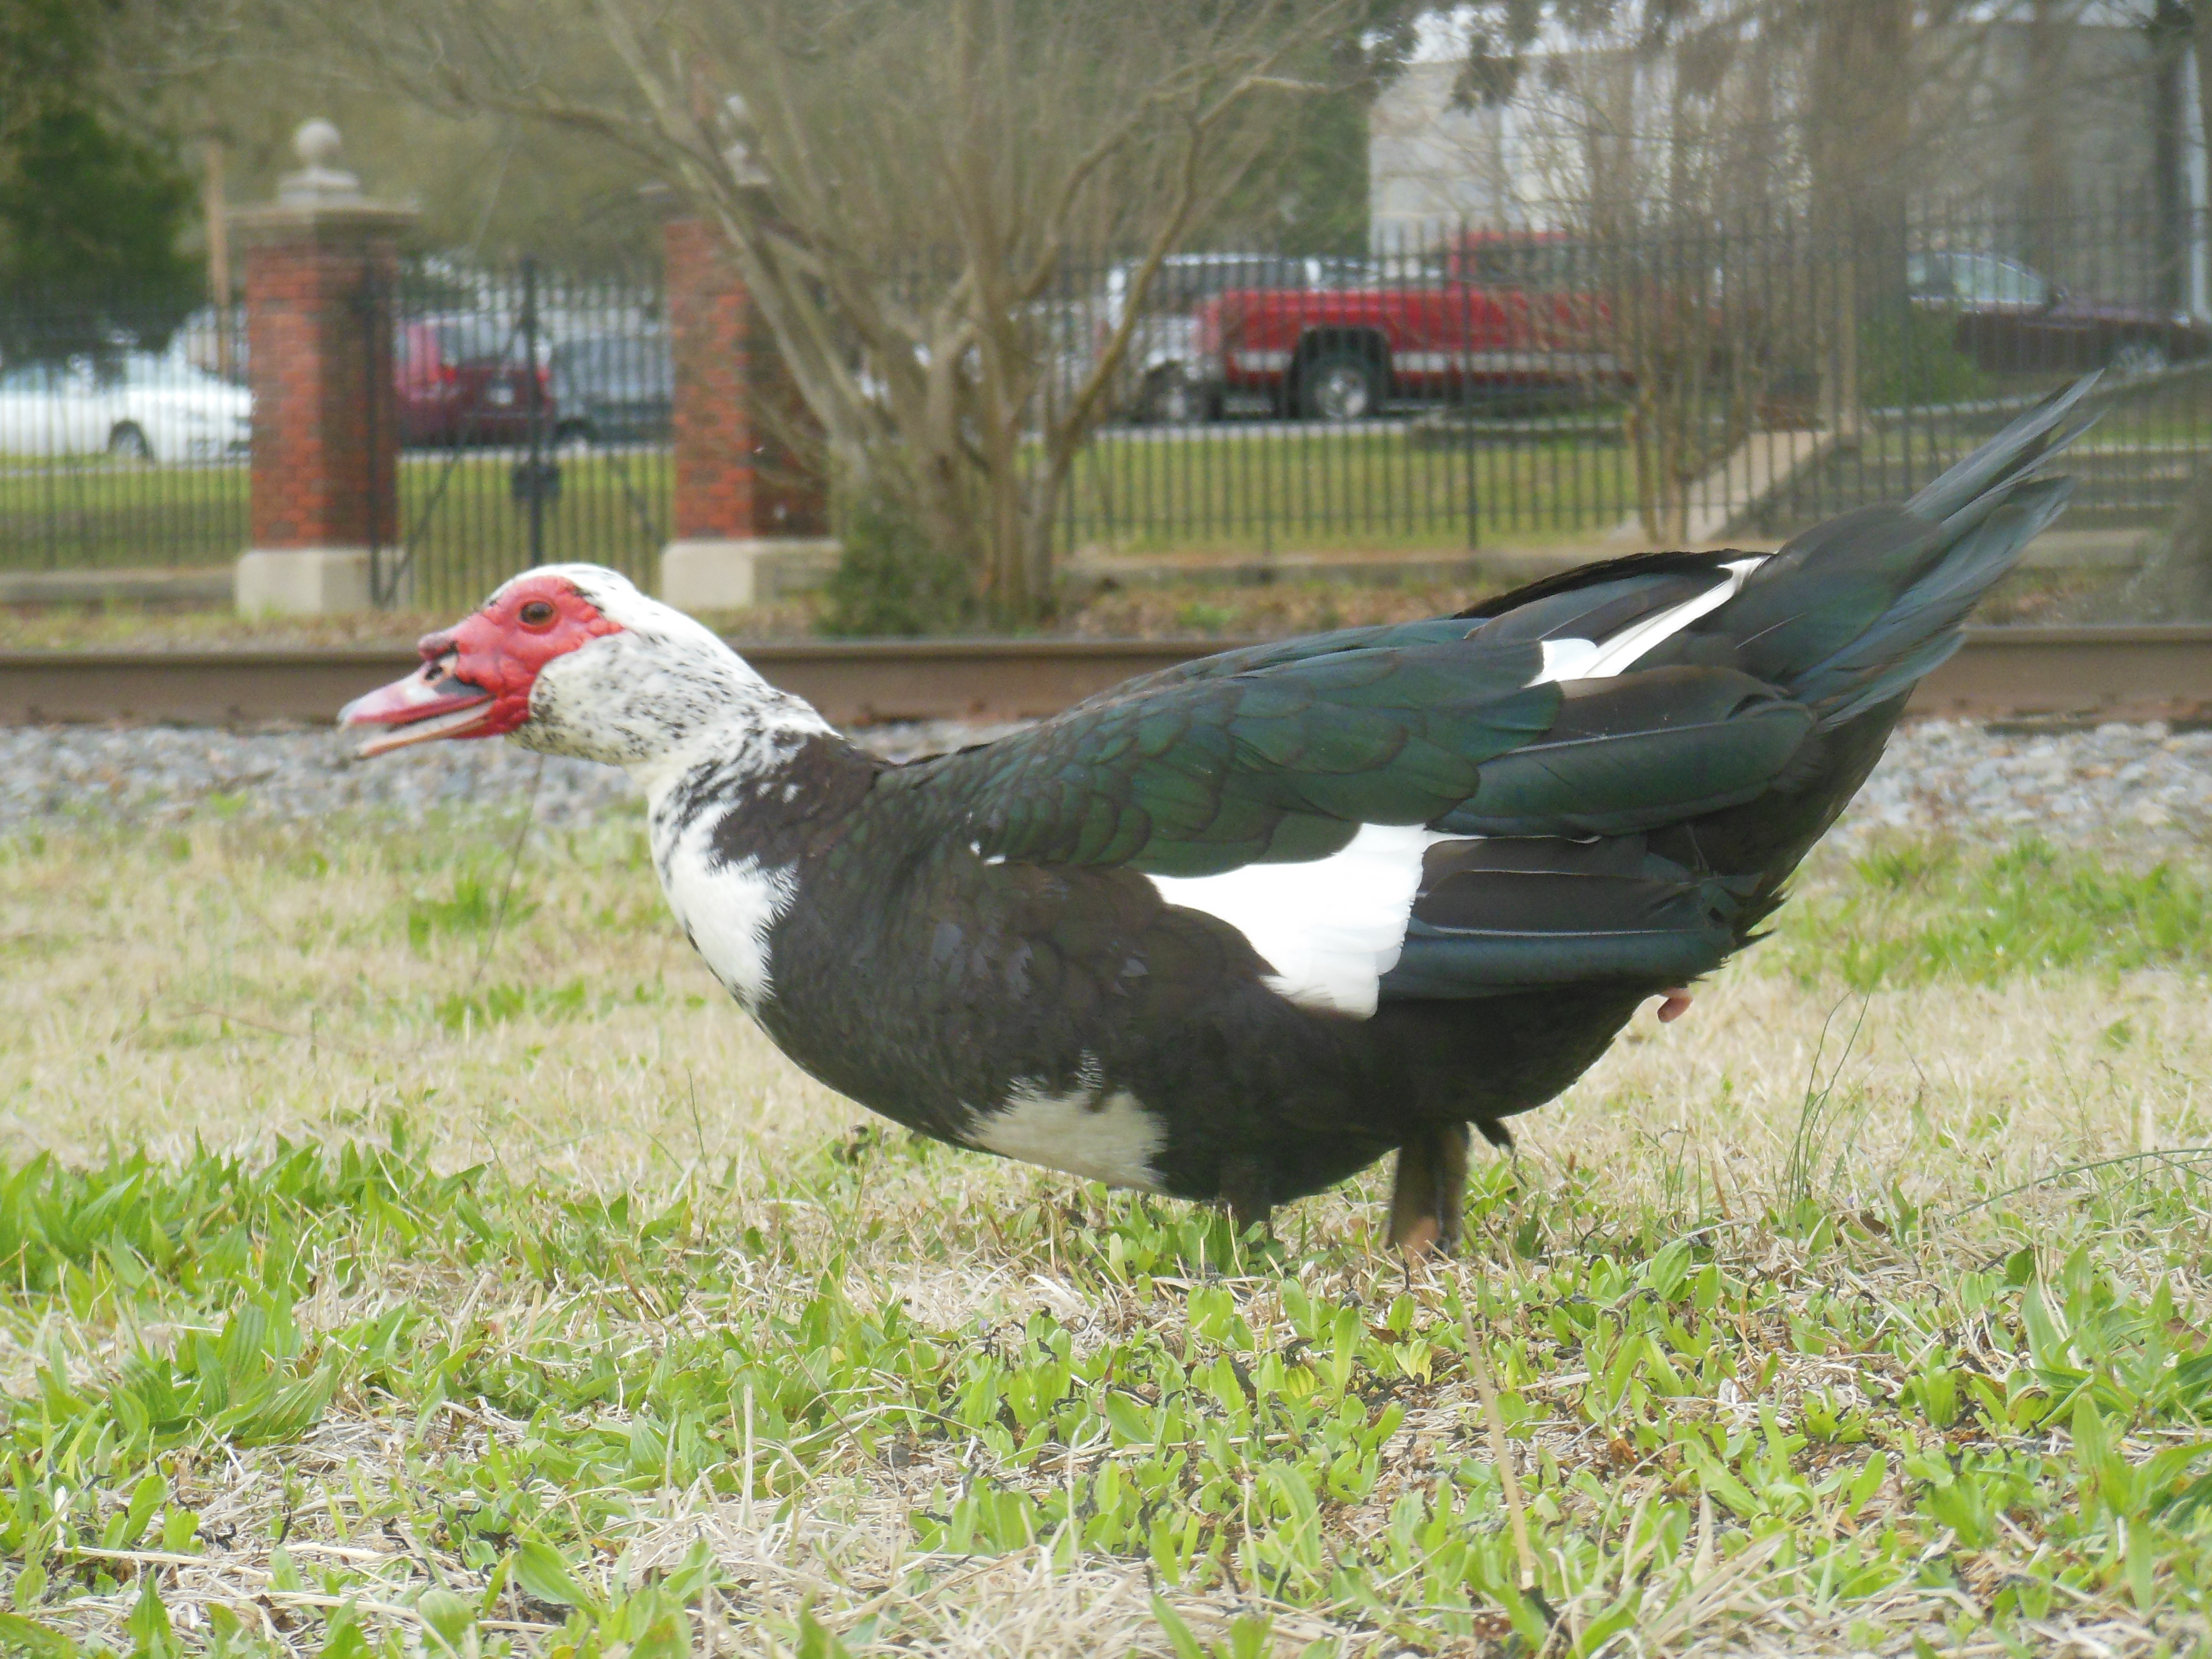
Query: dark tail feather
1920 628
2014 455
1852 612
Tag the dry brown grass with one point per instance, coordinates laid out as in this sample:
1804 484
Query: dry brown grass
221 985
1195 608
227 986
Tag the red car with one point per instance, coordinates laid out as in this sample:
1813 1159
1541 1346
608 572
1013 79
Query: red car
462 381
1501 311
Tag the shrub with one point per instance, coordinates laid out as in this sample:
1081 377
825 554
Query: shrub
892 579
1908 357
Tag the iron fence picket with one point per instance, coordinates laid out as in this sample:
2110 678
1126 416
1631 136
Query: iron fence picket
122 445
1766 372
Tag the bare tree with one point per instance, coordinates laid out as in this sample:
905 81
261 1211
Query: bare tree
1647 127
906 188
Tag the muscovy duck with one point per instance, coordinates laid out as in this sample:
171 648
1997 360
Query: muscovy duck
1233 930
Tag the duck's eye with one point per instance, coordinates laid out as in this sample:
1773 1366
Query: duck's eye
538 613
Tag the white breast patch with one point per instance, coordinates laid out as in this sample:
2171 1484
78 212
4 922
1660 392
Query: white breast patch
1329 927
726 912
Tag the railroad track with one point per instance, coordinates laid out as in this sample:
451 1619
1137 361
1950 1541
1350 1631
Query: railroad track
2045 673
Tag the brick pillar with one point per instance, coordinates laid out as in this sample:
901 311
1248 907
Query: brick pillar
752 508
320 265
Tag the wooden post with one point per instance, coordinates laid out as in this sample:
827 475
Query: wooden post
215 213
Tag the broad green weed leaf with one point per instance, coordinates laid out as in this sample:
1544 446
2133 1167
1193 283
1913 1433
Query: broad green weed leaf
543 1574
448 1614
26 1636
149 1623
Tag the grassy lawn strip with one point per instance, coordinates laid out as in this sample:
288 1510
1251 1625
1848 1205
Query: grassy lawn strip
459 515
1310 488
392 1267
1927 912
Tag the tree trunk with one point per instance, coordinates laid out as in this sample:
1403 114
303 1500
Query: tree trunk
2170 29
2049 30
2175 582
1861 112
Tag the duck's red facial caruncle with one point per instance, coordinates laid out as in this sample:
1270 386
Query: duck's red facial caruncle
476 677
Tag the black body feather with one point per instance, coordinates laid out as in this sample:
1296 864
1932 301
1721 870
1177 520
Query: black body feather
1001 924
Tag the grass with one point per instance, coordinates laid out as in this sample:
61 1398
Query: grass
1192 608
1299 489
404 1256
1936 913
1223 493
94 513
458 514
1312 489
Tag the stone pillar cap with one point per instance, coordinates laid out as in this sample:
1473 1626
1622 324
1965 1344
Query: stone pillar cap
321 182
322 200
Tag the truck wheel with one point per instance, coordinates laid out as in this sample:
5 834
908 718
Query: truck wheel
1170 400
128 443
1340 386
2135 358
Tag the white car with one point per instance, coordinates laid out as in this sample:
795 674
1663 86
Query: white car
140 406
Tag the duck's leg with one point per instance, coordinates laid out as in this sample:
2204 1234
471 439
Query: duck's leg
1429 1194
1247 1191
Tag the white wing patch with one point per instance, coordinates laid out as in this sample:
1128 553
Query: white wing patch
1086 1131
1596 659
1329 927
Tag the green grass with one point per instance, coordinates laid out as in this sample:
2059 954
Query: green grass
1926 912
461 516
468 533
1312 489
1214 492
95 513
396 1260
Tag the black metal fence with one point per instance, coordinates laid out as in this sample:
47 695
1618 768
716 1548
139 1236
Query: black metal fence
124 435
533 414
1478 387
1469 388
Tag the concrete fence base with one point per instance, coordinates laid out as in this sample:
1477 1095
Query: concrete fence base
728 575
308 581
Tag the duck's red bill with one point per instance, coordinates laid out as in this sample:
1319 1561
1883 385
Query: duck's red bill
429 704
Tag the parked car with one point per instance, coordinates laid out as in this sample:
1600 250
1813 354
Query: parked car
463 380
2013 319
139 406
1499 311
1163 379
613 388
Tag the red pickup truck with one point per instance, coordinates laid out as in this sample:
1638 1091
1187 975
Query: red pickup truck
1499 311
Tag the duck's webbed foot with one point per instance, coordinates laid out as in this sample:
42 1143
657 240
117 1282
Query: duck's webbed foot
1429 1194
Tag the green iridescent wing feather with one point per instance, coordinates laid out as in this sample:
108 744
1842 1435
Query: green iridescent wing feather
1277 755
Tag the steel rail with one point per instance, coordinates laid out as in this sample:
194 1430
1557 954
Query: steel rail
2053 673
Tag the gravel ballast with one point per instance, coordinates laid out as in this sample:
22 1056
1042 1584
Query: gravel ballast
1938 777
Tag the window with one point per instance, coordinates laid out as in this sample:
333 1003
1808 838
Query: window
471 340
1545 264
1983 279
1927 275
27 379
143 368
1184 285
